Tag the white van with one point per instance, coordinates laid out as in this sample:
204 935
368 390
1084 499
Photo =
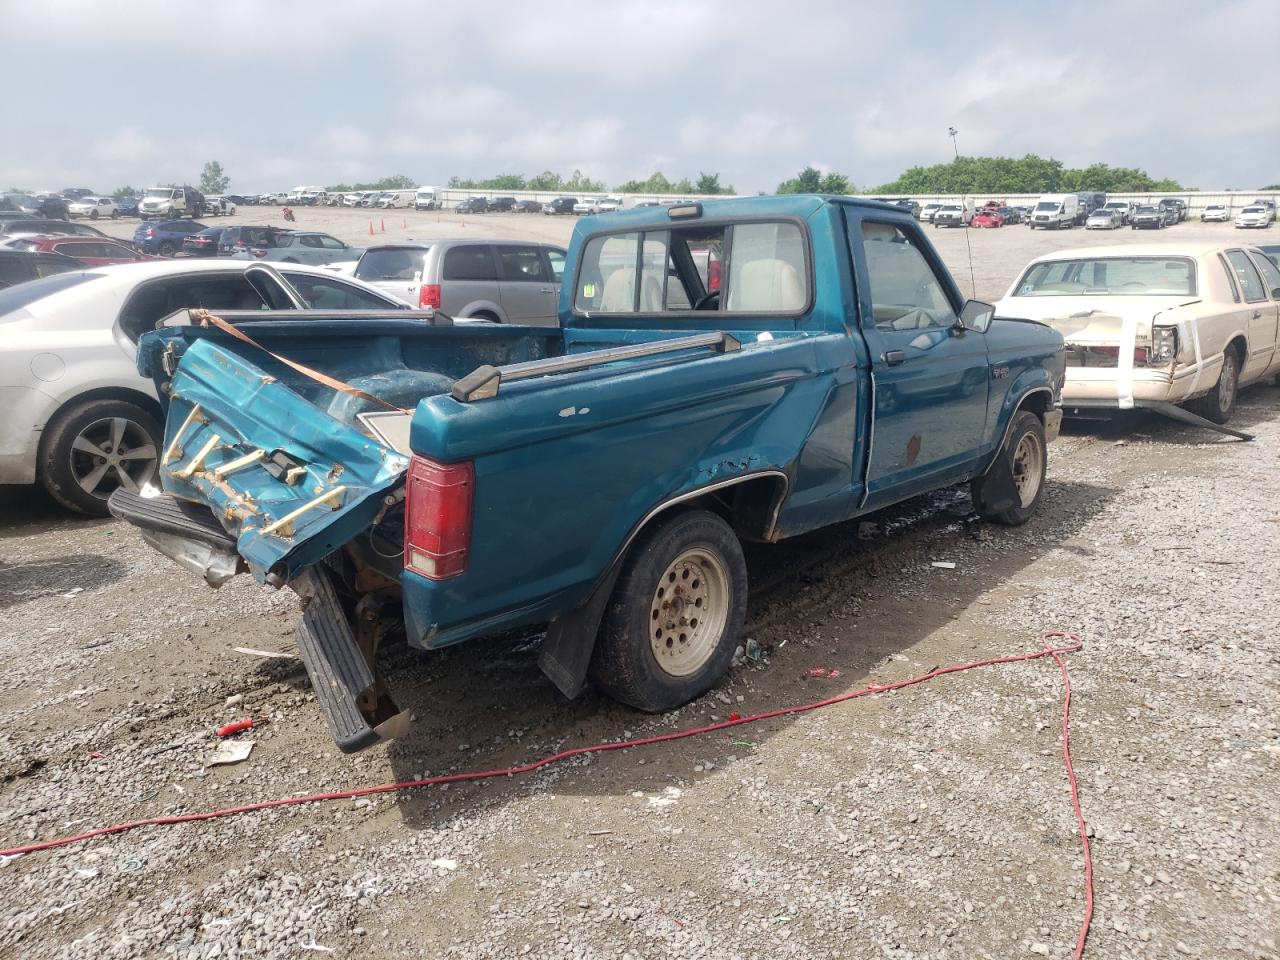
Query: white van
425 199
1055 210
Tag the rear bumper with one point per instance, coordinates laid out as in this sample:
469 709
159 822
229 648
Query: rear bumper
26 412
187 533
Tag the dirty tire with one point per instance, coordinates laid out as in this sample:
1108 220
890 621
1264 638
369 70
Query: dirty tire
55 466
1220 403
710 576
1027 449
167 248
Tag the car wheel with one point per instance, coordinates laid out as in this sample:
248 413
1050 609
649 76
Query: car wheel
91 448
167 248
93 214
1025 455
115 214
1220 403
675 614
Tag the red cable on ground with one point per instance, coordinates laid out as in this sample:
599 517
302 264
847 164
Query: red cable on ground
1073 644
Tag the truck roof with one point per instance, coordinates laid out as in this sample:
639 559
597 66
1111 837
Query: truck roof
789 205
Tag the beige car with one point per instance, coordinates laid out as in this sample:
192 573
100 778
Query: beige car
1156 323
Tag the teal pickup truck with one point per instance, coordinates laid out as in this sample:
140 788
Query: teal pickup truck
732 370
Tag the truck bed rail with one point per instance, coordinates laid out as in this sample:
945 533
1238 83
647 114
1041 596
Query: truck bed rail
484 381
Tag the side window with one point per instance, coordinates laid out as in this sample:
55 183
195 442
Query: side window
323 293
1270 273
1250 282
332 243
14 270
522 264
767 271
905 292
471 262
555 259
79 249
1231 278
49 265
607 282
311 242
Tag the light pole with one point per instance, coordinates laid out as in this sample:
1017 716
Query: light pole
953 131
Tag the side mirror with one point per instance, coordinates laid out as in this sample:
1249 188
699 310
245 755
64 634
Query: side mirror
976 316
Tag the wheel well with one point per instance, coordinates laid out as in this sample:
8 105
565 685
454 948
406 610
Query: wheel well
1038 402
1241 348
485 315
150 404
750 506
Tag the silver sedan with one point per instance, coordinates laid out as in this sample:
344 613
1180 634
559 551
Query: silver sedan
1104 219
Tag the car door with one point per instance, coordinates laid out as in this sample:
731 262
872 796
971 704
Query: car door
1259 313
331 250
469 281
528 291
1271 281
930 377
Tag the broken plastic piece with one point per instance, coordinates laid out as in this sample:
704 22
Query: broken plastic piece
227 729
822 673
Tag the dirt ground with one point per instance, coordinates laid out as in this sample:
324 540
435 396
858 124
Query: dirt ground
929 823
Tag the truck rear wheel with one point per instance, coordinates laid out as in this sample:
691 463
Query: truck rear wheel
675 615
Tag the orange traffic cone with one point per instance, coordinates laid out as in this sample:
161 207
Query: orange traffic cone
371 228
383 224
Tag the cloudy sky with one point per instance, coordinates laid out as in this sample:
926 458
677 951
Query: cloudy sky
288 92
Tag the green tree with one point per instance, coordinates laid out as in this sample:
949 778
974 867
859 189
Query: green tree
808 180
580 183
546 180
124 192
1028 174
397 182
212 179
836 183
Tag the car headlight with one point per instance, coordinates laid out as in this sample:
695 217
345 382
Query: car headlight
1164 344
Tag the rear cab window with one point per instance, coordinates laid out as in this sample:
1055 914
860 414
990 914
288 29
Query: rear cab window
759 268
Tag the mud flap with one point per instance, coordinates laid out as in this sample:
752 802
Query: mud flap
571 639
356 708
995 491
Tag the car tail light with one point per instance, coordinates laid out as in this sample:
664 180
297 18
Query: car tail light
259 252
437 517
151 232
429 296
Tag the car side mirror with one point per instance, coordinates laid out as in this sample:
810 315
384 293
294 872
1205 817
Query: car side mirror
976 315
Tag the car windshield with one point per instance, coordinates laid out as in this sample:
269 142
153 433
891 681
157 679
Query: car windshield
1146 209
1215 206
1110 276
952 206
162 193
394 263
24 294
1047 205
1116 205
1253 210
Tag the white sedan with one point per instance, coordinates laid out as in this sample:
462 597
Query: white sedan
1253 216
1215 213
79 419
1155 324
93 208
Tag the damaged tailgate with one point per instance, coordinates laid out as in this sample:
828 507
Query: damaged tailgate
288 481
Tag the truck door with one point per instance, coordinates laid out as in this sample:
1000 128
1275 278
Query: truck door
930 378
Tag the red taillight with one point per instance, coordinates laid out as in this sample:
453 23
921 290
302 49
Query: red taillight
258 253
1140 354
151 232
429 296
437 518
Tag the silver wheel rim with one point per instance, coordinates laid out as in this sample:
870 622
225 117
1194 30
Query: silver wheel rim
112 452
1028 468
689 612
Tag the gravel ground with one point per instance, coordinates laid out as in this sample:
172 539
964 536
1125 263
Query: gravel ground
929 823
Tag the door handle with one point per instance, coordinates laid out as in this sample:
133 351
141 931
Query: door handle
1257 314
894 357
